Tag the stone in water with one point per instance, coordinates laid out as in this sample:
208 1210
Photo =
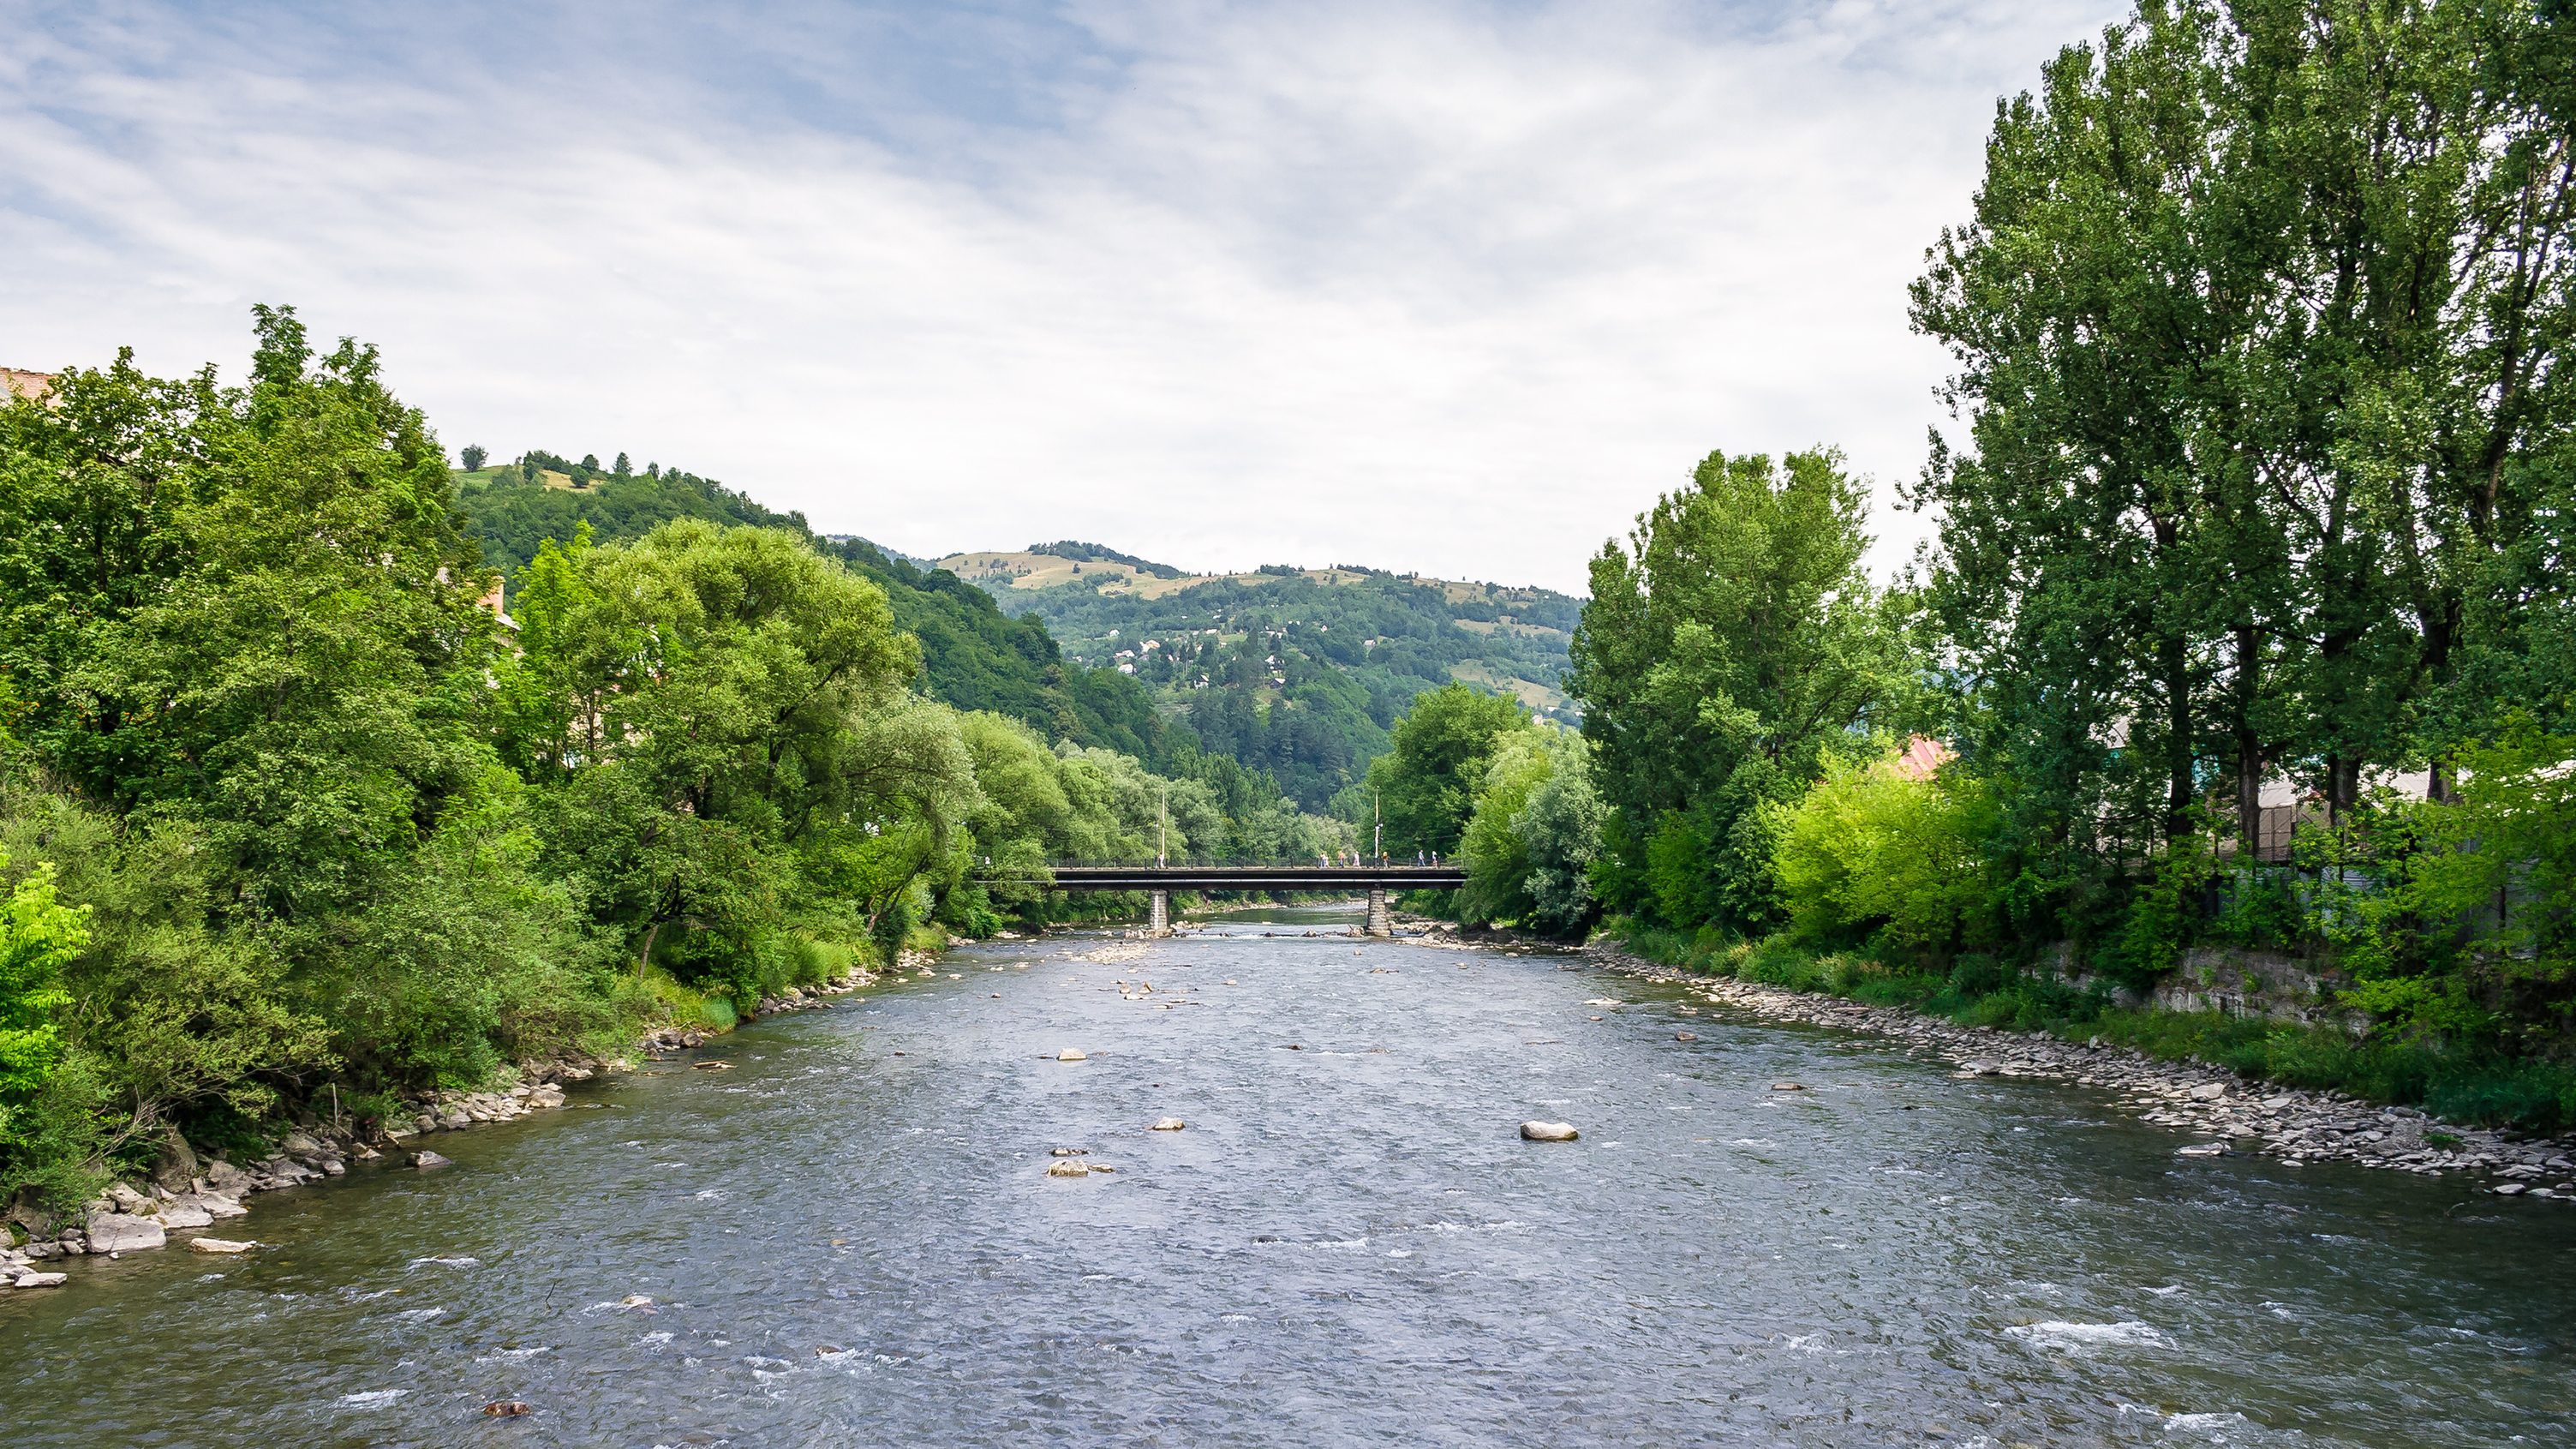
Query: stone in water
1072 1054
1170 1124
219 1245
1549 1131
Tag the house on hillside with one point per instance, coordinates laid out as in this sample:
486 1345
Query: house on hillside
18 382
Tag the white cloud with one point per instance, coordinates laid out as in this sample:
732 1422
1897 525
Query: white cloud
1428 286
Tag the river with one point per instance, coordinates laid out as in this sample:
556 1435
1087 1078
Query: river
850 1238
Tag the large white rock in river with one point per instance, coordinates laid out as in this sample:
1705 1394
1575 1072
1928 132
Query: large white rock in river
123 1233
1549 1131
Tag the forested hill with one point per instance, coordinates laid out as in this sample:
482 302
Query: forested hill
973 655
1296 671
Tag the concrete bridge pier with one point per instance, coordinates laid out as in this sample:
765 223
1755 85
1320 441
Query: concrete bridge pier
1379 922
1158 918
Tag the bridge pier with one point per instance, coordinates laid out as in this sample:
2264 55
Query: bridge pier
1158 917
1379 922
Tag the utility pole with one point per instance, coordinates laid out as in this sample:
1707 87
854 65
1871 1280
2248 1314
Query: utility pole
1377 831
1163 826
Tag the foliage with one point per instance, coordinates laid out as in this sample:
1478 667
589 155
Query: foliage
38 935
1536 830
2259 324
1726 651
1425 787
1872 850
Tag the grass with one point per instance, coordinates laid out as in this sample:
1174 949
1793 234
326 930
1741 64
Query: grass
2479 1087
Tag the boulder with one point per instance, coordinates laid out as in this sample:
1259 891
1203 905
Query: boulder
181 1213
41 1280
215 1205
1170 1124
1072 1054
2209 1091
1067 1167
427 1159
302 1144
1685 1036
1788 1086
121 1198
124 1233
219 1245
1549 1132
176 1170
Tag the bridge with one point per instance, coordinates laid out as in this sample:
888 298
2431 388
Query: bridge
1159 881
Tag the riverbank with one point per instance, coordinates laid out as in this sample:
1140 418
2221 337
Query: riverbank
2221 1111
184 1194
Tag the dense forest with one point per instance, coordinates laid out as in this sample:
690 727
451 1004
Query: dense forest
2250 624
286 805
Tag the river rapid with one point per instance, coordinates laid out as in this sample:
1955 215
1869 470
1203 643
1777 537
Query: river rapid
850 1237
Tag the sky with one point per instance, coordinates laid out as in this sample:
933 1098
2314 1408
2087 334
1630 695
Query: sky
1454 288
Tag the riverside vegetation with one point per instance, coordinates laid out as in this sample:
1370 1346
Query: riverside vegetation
2266 495
291 815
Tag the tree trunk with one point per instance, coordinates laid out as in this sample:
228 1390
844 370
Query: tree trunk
2249 748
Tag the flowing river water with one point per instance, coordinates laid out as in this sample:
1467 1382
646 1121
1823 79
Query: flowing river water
850 1239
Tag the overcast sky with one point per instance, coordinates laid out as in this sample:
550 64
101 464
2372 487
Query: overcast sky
1440 286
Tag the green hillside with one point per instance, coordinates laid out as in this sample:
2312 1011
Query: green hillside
1295 671
973 655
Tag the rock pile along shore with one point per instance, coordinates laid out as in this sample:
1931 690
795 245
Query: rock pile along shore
2225 1113
184 1195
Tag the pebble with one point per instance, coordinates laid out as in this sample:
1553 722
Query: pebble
2294 1125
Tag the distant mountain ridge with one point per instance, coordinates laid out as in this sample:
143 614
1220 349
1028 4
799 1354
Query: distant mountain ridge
1297 671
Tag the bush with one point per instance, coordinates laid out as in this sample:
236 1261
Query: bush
1872 850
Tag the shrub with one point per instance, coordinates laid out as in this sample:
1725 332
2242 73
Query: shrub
1872 850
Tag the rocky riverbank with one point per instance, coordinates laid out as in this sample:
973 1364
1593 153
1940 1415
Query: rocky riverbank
184 1194
2221 1112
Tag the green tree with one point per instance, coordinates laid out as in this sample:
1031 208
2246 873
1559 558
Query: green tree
472 456
1425 786
2257 325
1530 847
1723 654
